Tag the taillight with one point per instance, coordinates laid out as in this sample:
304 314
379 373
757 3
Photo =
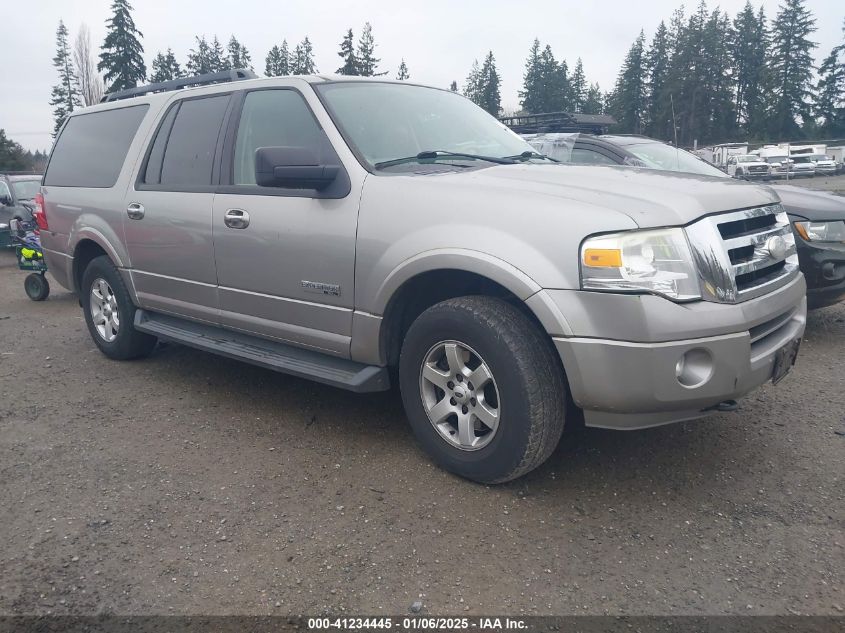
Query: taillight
39 214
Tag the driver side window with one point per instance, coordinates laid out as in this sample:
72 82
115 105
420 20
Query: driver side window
5 193
272 118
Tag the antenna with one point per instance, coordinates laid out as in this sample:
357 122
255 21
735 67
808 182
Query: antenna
675 130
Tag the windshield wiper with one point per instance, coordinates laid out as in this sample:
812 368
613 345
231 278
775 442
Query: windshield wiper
435 154
528 155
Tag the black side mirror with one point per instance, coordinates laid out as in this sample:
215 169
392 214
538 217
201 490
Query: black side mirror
6 200
292 168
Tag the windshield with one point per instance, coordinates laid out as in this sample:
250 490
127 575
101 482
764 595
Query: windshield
776 159
801 159
668 158
747 159
385 122
26 189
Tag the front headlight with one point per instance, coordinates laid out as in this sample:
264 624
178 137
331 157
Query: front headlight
657 261
822 231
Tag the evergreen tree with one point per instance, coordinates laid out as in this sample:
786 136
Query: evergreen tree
830 96
453 86
367 61
239 56
347 54
472 87
629 99
749 52
594 101
489 86
791 68
199 58
657 70
165 67
122 56
578 87
278 61
530 97
65 94
218 60
302 60
12 155
403 71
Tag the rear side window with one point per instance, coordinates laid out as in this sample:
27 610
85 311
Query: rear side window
189 146
92 148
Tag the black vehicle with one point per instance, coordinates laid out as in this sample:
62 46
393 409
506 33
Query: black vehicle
17 192
818 218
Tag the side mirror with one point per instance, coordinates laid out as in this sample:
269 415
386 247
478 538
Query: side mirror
6 200
292 168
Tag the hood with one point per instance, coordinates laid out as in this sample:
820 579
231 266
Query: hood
820 206
651 198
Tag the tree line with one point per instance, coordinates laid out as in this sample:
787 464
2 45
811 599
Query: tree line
710 78
703 77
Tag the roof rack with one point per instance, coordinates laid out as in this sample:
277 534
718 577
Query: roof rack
224 76
559 122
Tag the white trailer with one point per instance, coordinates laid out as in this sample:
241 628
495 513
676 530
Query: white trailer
721 153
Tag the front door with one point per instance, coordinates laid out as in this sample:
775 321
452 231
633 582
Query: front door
167 214
285 258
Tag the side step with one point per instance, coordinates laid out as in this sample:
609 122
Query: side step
329 370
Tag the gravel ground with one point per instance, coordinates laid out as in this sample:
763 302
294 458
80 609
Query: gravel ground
190 484
834 184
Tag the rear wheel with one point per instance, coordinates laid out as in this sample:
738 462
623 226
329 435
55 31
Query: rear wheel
109 312
482 388
36 286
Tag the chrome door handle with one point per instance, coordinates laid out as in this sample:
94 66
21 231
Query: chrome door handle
236 219
135 211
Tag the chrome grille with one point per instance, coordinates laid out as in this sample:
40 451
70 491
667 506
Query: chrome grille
744 254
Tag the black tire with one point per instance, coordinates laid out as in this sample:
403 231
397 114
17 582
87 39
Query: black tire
528 378
36 286
127 343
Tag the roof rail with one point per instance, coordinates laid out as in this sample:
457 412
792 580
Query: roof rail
183 82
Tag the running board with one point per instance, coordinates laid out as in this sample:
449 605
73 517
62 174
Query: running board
329 370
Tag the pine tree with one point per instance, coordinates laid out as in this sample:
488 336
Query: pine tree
530 97
830 96
594 101
403 71
278 61
749 52
472 87
199 58
302 60
629 104
578 86
453 86
347 54
12 155
165 67
367 61
239 56
65 94
657 69
122 56
217 58
791 67
489 86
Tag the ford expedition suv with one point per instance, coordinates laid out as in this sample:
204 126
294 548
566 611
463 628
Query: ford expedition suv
357 232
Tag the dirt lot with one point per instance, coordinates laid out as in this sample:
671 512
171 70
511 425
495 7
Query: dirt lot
193 485
834 184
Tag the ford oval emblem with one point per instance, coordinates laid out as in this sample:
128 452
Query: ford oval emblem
777 247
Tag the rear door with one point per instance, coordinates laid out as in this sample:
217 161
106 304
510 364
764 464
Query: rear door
167 215
286 268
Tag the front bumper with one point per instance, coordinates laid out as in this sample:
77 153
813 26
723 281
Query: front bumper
632 384
823 265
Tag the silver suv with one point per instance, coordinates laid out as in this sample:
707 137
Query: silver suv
361 232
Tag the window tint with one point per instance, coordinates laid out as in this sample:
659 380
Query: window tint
152 174
590 157
91 149
272 118
189 154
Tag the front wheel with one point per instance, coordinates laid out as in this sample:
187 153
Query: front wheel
109 312
483 389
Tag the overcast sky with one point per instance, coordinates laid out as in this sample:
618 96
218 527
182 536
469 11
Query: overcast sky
439 39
